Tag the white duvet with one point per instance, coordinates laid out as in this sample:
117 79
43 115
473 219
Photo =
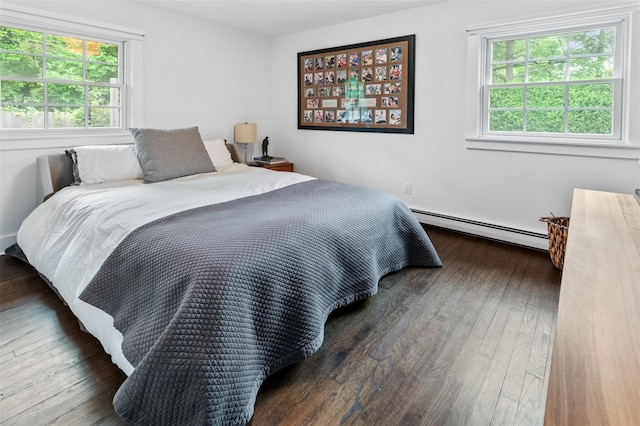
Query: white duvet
68 237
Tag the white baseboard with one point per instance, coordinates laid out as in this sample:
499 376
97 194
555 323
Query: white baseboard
486 230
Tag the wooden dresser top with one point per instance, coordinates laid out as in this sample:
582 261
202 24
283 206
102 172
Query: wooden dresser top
595 366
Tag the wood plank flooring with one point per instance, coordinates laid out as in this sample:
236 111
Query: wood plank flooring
466 344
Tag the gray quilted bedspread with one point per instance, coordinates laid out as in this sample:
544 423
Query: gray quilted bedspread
213 300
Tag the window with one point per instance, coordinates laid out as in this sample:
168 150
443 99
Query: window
559 83
65 77
59 81
562 84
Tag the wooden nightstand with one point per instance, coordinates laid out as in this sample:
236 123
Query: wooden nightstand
279 167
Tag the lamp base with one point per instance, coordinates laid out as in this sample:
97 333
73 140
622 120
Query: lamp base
247 148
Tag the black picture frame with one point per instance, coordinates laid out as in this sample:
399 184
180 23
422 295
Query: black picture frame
362 87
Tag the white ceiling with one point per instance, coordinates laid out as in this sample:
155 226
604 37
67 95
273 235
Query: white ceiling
273 18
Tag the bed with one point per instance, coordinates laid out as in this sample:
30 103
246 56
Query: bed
201 284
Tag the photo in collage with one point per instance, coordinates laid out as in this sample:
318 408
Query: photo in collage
358 87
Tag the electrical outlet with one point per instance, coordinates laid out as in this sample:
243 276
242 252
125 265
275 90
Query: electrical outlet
406 187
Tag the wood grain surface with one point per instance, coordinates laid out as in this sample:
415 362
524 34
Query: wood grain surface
595 367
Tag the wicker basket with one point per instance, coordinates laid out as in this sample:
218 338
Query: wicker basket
558 229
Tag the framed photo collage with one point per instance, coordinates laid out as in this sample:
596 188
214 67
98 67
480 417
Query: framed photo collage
366 87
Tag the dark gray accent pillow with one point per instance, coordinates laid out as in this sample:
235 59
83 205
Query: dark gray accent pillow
71 153
169 154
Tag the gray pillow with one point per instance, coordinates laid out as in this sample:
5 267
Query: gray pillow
169 154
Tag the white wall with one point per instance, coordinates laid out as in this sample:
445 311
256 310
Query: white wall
503 188
195 73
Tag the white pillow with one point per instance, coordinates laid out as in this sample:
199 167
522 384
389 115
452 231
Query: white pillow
106 163
218 152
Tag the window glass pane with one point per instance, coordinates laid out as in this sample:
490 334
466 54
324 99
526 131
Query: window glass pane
506 97
541 71
18 40
102 52
23 92
66 94
553 83
104 96
67 47
545 97
60 69
104 117
591 95
505 121
63 94
509 50
591 68
60 117
17 65
22 117
102 73
545 121
508 73
553 46
600 40
596 122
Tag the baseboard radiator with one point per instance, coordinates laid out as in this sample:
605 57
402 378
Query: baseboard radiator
484 229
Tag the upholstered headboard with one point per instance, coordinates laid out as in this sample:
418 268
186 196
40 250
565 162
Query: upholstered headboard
54 172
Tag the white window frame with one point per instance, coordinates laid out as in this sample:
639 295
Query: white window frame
131 57
626 139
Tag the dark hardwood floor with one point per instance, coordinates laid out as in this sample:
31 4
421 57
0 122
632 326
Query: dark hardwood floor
468 343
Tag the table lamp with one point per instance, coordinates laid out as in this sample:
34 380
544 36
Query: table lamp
246 133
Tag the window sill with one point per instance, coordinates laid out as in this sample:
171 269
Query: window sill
584 148
43 139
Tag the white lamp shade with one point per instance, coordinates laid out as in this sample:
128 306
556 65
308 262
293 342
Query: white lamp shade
245 133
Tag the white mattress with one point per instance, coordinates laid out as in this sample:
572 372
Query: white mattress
68 237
